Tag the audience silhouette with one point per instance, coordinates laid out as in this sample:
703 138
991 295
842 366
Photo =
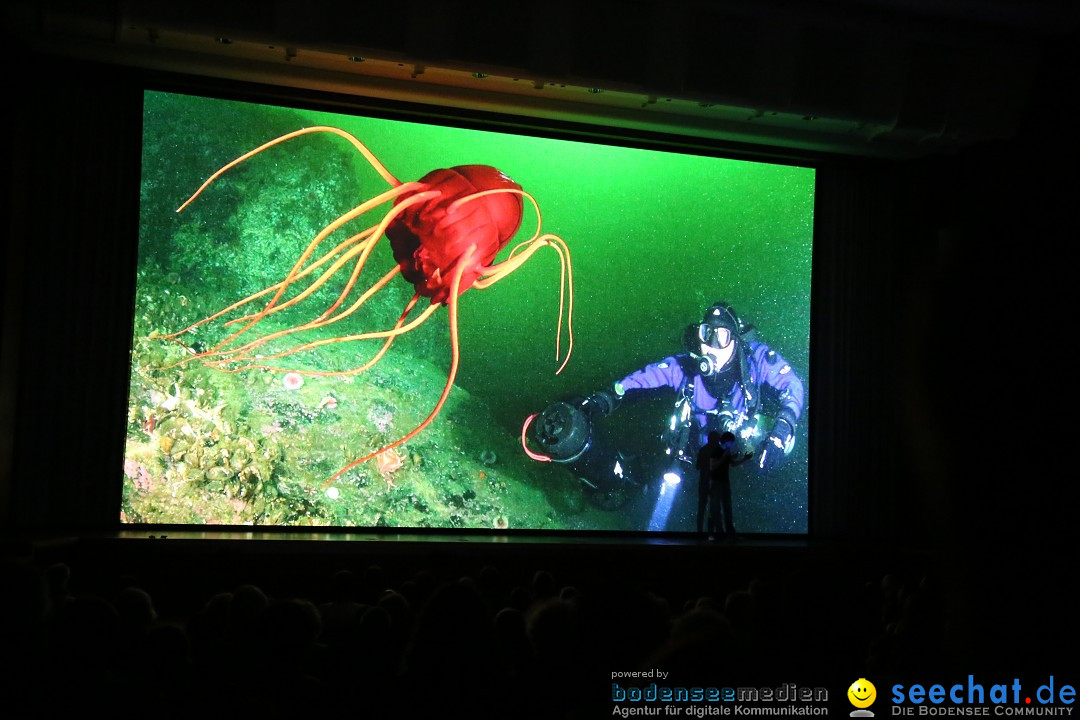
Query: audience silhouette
497 641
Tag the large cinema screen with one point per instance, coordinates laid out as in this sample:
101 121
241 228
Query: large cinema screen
356 321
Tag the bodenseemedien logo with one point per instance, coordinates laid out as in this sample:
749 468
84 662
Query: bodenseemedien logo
862 694
671 699
974 698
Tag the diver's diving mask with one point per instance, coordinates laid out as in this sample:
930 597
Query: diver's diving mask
714 336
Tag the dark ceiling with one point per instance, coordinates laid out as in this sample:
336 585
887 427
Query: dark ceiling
871 78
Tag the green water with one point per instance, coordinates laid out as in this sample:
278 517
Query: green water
654 238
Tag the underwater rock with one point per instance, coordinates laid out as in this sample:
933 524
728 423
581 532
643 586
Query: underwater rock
381 417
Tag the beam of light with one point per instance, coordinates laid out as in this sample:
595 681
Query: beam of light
668 488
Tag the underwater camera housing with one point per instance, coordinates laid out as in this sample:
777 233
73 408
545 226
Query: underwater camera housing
564 431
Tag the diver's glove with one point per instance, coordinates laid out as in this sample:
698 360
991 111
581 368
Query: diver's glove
600 403
777 444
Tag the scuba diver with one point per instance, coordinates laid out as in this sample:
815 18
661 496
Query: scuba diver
726 380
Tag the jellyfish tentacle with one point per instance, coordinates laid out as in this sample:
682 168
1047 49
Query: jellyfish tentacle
239 353
520 253
243 352
296 271
412 325
352 214
494 273
210 353
359 237
391 335
386 344
455 357
401 207
375 233
291 277
566 298
359 242
368 155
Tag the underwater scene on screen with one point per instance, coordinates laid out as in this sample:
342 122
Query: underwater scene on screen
280 375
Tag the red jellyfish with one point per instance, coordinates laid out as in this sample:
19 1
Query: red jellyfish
445 230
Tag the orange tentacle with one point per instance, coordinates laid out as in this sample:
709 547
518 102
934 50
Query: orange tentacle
325 275
347 338
354 213
378 166
240 303
365 252
419 197
521 252
293 275
230 355
390 337
455 357
495 273
244 351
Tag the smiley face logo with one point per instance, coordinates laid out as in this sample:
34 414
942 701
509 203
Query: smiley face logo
862 693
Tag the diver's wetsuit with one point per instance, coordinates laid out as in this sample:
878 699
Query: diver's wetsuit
755 362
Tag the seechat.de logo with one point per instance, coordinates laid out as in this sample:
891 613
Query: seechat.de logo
974 698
